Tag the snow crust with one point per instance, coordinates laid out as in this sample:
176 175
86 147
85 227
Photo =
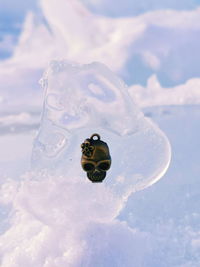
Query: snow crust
64 221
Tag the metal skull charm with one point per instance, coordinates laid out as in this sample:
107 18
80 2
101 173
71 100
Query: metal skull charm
95 158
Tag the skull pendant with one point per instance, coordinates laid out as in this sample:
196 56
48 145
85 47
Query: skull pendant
95 158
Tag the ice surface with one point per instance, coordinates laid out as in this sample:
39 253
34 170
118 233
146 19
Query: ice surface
54 216
84 99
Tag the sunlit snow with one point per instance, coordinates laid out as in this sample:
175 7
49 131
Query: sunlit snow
51 214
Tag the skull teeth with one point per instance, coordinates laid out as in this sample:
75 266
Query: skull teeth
96 176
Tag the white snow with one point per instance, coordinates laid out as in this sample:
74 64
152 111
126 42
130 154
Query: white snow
155 95
135 48
57 217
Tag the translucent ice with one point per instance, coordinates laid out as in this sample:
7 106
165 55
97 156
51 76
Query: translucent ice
84 99
59 218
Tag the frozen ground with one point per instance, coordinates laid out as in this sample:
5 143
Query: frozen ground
50 219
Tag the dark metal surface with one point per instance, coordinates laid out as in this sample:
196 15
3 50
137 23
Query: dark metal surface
96 159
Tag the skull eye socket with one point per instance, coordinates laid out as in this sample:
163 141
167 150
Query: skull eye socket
88 167
104 166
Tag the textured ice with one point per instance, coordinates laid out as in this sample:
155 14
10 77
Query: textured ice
59 218
84 99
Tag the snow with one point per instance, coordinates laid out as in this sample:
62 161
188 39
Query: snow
135 48
155 95
173 218
55 216
136 7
